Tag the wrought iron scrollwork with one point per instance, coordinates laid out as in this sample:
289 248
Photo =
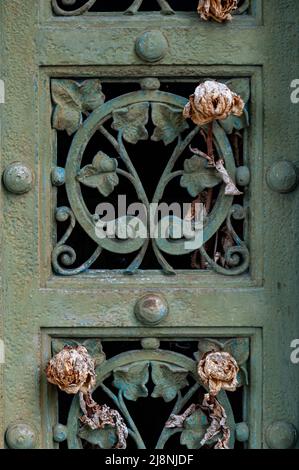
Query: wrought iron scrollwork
124 121
72 8
124 379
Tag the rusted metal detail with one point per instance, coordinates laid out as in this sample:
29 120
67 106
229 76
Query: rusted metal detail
213 101
72 370
218 10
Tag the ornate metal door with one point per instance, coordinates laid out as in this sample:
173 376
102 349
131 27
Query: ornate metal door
95 92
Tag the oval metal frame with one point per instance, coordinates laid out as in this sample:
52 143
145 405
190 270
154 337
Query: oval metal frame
92 125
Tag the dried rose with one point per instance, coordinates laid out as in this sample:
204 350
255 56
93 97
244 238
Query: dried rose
211 101
72 370
218 10
218 370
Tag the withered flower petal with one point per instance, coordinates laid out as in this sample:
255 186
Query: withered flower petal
218 10
218 422
177 421
212 101
72 370
218 370
98 416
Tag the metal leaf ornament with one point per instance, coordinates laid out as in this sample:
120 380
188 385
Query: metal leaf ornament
217 10
73 371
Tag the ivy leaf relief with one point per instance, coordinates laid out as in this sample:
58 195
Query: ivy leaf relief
235 123
132 121
168 380
105 438
101 174
241 86
169 123
238 348
71 99
195 428
132 380
198 176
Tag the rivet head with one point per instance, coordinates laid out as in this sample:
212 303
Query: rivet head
281 435
243 176
18 178
151 46
20 436
150 343
282 177
58 176
242 432
151 309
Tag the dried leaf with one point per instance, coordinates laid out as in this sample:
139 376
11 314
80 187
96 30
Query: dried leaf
218 422
99 416
177 421
230 188
218 10
213 101
218 370
72 370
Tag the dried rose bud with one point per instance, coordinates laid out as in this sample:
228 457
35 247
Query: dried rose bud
211 101
218 370
218 10
72 370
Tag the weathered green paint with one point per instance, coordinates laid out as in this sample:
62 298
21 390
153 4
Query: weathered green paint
37 306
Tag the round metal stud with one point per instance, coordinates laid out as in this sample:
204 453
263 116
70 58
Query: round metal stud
150 83
281 435
150 343
151 46
283 177
58 176
243 176
18 178
151 309
20 436
60 433
242 432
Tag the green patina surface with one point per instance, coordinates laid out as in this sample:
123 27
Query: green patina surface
39 307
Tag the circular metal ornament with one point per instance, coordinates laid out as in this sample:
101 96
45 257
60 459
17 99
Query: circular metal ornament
18 178
151 46
20 436
282 177
281 435
151 309
76 153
